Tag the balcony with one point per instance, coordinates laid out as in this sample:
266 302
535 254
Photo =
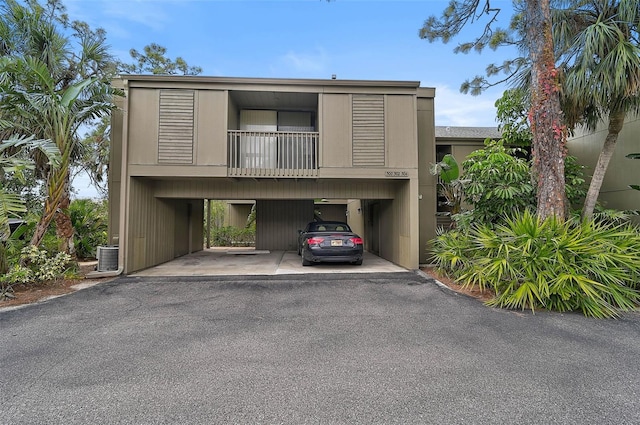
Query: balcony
273 154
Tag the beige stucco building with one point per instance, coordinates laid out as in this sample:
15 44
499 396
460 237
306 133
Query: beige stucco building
178 141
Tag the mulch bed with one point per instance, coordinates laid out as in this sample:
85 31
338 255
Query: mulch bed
31 293
473 292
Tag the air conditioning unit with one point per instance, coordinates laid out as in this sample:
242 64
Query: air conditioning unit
107 258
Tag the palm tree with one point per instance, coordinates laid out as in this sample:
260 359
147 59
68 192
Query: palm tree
599 52
56 113
50 90
12 161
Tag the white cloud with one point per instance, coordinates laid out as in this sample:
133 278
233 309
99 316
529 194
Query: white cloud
151 14
457 109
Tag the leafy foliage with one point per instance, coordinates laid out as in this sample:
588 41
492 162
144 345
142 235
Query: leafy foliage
585 266
512 110
40 267
89 220
154 61
450 186
54 78
233 236
498 183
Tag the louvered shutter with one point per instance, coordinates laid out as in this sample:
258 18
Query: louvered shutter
368 131
175 137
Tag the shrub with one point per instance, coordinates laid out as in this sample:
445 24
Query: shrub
40 267
89 219
590 267
498 182
233 236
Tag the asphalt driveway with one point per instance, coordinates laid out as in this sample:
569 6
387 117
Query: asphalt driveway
349 349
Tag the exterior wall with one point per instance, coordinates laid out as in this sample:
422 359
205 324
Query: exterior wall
355 218
332 212
427 182
615 192
151 225
401 132
143 126
335 126
195 188
189 226
278 222
211 135
114 177
236 214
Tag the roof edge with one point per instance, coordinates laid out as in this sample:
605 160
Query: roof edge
269 81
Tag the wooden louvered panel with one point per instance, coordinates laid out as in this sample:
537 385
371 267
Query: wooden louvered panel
175 133
368 131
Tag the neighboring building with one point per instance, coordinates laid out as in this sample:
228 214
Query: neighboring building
615 192
285 143
459 142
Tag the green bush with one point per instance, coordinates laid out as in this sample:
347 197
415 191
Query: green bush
40 267
590 267
233 236
89 219
497 183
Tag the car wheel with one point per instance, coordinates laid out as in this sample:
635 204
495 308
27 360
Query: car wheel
357 263
306 262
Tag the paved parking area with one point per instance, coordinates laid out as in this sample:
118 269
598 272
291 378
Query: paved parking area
386 348
249 262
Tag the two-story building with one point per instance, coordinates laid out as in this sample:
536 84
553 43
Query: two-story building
285 143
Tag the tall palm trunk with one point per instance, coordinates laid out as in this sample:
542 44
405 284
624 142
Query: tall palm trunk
64 226
549 132
55 193
616 121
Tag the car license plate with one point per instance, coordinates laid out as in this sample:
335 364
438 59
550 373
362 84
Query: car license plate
336 242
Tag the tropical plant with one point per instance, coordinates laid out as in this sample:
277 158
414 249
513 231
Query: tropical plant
50 89
90 222
450 186
512 110
12 161
40 267
585 266
497 183
598 49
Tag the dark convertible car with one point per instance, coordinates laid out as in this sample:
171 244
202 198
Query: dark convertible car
329 241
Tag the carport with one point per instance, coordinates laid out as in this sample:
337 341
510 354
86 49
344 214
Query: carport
166 219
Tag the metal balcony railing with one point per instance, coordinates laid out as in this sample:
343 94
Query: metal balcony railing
273 153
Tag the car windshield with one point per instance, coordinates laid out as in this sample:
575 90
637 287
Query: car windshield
329 227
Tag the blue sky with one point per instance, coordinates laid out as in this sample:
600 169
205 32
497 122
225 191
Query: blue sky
354 39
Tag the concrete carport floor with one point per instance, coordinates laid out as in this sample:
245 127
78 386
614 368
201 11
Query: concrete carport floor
247 261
